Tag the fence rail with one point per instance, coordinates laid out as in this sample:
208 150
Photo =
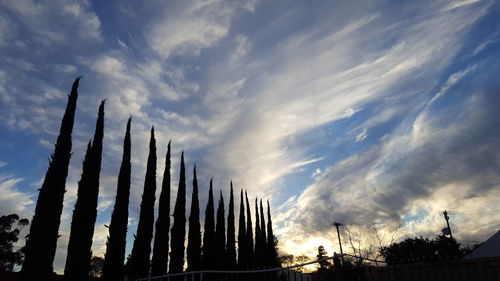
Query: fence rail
460 270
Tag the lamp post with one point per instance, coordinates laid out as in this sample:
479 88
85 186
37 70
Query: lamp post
337 224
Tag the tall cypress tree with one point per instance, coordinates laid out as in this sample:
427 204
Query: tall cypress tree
115 246
220 236
231 243
179 227
139 259
242 232
194 236
208 251
272 252
263 237
85 213
159 261
249 238
258 245
42 239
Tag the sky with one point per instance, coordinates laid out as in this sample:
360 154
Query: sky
375 114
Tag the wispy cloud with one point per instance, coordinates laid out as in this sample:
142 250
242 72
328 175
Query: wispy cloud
12 200
433 167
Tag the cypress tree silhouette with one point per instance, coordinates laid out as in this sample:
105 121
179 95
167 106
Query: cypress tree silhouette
42 239
85 213
139 259
159 261
208 251
231 243
258 245
263 237
194 236
242 232
115 246
249 238
220 236
179 227
271 244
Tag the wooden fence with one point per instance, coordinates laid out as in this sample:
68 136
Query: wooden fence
462 270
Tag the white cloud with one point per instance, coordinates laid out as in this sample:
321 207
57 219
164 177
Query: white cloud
66 68
316 173
104 205
7 29
459 4
243 46
189 27
452 80
12 200
362 135
40 17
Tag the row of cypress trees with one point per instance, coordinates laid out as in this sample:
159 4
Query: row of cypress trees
216 251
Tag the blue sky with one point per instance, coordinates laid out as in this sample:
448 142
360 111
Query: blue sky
373 113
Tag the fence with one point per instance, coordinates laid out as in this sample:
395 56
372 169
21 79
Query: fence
301 272
460 270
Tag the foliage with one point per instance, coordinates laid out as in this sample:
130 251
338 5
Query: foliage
179 227
95 267
159 261
220 236
264 254
322 253
42 239
8 236
242 243
258 246
421 250
208 251
290 260
85 213
249 238
115 246
194 235
272 241
231 240
139 260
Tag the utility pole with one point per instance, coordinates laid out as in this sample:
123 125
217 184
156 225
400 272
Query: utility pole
446 217
337 224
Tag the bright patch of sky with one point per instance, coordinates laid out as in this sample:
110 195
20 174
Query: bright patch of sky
372 113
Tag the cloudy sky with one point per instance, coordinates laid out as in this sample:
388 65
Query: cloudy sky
376 114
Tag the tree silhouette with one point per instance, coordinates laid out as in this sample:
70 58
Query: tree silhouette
272 252
159 261
249 238
220 236
179 227
139 259
115 246
85 213
42 239
208 251
419 250
263 238
194 236
258 241
231 243
242 241
8 236
323 265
